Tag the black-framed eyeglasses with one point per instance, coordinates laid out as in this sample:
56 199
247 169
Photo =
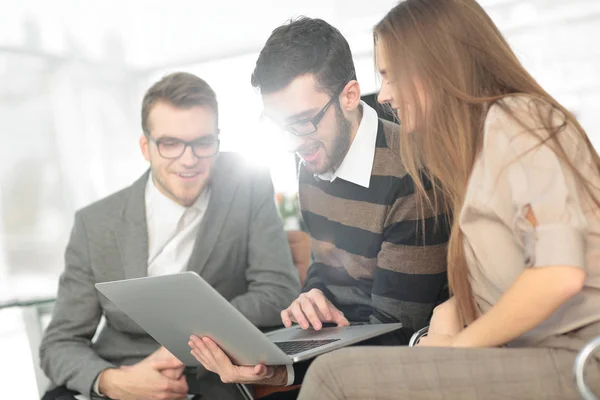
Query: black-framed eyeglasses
171 148
308 126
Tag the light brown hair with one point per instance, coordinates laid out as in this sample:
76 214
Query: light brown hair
462 64
179 89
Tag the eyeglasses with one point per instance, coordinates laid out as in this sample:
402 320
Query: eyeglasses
171 148
308 126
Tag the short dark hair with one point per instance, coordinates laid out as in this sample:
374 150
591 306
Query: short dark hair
304 46
182 90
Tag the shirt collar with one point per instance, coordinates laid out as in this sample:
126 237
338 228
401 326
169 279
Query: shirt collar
357 165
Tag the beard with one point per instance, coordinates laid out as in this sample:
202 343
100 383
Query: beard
339 146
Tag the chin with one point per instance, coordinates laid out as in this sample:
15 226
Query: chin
187 200
319 167
314 168
187 197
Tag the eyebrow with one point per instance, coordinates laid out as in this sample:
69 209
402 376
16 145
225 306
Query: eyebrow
165 137
202 137
302 115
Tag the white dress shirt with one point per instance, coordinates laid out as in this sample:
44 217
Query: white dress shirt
357 165
172 230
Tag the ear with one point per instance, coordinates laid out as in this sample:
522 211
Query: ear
144 147
350 97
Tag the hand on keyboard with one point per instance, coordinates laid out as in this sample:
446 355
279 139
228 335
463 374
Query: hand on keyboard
313 309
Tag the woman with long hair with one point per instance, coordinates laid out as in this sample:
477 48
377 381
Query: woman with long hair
521 180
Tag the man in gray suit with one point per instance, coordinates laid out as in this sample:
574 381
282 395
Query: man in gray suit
195 209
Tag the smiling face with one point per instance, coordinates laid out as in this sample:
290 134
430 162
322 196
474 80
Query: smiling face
294 106
405 93
181 179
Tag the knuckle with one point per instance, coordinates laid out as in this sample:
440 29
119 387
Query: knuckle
297 308
307 305
299 314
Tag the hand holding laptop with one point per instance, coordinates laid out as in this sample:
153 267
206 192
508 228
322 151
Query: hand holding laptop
309 309
312 308
210 355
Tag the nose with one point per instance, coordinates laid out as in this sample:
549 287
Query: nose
385 94
188 158
294 143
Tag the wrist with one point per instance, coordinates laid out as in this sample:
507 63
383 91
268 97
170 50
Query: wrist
461 340
107 382
279 377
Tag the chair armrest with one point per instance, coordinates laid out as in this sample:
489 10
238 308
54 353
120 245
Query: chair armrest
414 339
579 368
246 394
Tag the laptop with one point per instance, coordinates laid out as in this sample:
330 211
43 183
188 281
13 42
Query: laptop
171 308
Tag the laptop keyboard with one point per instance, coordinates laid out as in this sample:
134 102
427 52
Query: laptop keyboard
298 346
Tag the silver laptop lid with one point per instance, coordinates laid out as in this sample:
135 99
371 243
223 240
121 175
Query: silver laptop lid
171 308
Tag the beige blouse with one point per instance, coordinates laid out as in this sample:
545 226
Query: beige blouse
500 243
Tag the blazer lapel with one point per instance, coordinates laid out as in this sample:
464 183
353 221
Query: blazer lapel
132 234
223 186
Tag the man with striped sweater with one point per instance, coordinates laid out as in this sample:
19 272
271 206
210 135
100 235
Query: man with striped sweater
375 260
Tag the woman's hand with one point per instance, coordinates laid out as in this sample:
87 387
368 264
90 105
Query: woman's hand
445 320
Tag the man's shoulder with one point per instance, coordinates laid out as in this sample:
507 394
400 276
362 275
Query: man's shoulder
389 136
107 207
388 144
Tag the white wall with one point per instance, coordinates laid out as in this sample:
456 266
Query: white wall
72 76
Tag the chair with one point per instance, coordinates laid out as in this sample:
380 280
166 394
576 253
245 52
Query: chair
35 318
299 243
579 368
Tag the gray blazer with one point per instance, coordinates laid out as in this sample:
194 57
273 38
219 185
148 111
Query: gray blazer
241 250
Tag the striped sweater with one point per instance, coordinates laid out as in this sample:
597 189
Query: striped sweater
371 258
